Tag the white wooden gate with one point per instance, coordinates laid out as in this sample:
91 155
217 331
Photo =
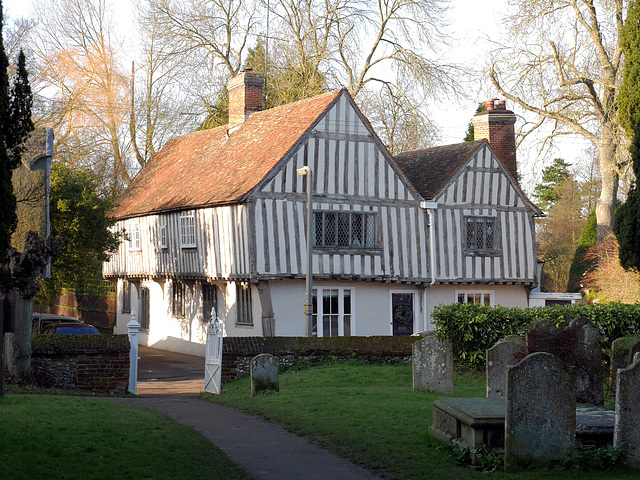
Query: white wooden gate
213 358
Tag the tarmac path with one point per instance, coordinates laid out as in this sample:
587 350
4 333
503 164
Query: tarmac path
170 383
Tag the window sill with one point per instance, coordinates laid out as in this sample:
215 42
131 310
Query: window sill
348 250
245 326
483 253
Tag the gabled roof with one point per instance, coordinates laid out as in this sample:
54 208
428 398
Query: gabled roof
431 169
207 168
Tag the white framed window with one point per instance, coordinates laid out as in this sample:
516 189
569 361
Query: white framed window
163 242
244 315
340 229
482 297
134 236
187 230
333 312
480 233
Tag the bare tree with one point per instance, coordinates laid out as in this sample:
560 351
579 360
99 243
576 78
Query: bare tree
400 123
563 63
81 88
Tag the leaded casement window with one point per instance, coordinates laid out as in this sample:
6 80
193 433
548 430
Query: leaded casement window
178 291
187 229
126 296
163 241
475 296
332 312
209 300
134 236
480 233
344 229
243 304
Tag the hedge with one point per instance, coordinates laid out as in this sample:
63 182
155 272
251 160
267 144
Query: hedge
472 329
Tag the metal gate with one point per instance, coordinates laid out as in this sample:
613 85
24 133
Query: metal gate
213 358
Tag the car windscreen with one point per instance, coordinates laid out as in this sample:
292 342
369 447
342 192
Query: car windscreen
73 330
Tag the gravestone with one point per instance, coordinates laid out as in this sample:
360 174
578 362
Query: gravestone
540 417
432 364
264 374
501 355
627 424
578 347
622 352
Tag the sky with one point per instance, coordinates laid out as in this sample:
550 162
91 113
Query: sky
472 23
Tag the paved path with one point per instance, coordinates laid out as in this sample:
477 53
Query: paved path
266 451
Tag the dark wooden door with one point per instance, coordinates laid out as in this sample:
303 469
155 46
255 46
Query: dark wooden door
402 313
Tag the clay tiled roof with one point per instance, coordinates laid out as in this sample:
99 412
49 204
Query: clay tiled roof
431 169
206 168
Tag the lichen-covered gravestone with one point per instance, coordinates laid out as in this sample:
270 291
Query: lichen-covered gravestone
578 346
627 423
501 355
622 352
540 421
264 374
432 363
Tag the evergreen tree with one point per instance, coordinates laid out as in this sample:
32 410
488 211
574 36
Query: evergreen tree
627 220
15 126
470 133
553 177
79 216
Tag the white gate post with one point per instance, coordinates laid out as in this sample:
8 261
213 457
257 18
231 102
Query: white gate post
134 328
213 358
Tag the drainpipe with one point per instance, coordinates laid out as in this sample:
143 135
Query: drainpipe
430 207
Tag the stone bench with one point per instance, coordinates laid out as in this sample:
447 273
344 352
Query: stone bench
478 422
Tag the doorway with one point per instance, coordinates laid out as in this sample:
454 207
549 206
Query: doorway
402 313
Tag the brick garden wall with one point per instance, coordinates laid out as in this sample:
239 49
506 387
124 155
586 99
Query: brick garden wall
237 352
96 363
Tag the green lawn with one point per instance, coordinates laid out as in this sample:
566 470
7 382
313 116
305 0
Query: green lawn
56 437
371 416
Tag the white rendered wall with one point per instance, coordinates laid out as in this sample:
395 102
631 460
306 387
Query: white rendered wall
505 295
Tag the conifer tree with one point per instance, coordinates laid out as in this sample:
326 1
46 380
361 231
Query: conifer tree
627 224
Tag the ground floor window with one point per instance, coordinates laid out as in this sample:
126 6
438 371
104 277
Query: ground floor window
479 297
126 296
332 312
144 308
177 299
243 304
209 300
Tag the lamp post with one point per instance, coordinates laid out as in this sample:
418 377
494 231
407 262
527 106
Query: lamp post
308 305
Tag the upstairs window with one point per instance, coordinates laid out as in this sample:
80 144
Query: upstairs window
344 229
162 236
187 230
134 236
480 233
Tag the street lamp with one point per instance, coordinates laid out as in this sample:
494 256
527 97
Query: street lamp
308 305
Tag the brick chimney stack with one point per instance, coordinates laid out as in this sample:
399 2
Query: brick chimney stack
245 97
496 124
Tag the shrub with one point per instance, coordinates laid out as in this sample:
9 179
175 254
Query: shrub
472 328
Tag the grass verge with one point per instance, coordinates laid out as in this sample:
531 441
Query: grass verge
370 415
52 437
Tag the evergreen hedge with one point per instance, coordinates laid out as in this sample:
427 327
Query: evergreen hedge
472 329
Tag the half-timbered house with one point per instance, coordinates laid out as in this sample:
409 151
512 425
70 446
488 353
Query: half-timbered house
218 218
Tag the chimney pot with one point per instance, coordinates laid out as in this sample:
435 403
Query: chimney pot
502 105
490 104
